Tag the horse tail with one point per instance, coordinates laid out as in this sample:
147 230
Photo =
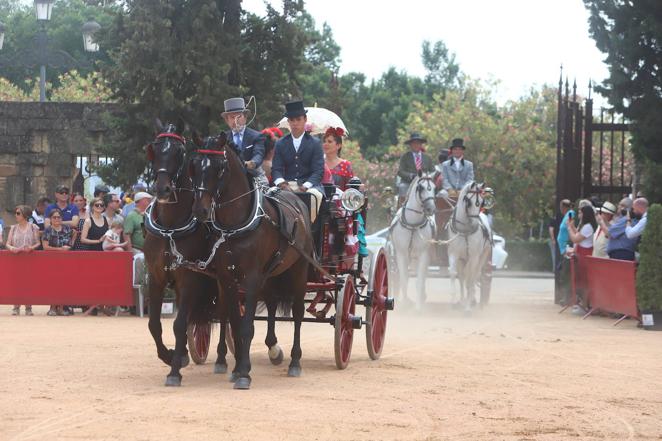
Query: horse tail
203 298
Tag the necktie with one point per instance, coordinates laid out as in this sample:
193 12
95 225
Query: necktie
419 161
237 140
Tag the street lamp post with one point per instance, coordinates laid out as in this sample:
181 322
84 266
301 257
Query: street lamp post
43 55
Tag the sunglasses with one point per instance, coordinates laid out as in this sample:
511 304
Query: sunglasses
18 213
56 217
63 192
99 205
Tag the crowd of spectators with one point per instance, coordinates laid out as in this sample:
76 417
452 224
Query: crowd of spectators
600 229
109 222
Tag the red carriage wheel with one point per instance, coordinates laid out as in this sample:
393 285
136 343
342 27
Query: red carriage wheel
344 334
377 310
199 339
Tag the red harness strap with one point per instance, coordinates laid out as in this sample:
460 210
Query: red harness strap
211 152
172 135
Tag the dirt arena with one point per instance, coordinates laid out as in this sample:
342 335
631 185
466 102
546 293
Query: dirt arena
515 371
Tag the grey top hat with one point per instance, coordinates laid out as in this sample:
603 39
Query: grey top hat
233 105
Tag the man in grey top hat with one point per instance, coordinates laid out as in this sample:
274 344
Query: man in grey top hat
249 142
457 171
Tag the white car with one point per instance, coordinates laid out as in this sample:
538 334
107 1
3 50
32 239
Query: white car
499 254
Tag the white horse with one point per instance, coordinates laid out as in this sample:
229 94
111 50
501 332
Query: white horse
470 242
411 232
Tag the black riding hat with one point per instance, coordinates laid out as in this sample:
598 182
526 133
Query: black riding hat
458 142
294 109
415 137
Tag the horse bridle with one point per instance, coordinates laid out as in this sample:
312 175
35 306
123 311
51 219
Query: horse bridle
215 193
468 200
181 143
419 188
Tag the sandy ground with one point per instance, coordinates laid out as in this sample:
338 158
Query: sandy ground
515 371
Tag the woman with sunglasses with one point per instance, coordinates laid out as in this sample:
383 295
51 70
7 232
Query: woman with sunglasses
57 237
95 226
23 238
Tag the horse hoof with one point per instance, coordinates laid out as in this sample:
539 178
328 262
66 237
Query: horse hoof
220 368
185 361
294 371
243 383
234 377
278 359
173 381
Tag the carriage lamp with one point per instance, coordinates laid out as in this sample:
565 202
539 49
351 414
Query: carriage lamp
2 34
43 9
352 199
89 29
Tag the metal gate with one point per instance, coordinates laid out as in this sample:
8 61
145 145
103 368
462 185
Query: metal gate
593 157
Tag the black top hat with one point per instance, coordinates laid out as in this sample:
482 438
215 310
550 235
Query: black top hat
415 137
458 142
294 109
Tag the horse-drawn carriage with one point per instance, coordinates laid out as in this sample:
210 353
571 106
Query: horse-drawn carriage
335 279
430 224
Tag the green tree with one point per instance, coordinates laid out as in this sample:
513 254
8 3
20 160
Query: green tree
630 34
173 58
64 30
649 276
442 70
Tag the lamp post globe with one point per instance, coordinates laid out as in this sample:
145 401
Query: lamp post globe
43 9
89 29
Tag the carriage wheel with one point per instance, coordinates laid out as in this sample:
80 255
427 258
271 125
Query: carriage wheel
199 339
344 334
377 312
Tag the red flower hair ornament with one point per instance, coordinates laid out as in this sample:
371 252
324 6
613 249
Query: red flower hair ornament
273 132
335 131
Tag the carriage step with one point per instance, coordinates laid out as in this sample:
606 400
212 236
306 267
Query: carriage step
389 304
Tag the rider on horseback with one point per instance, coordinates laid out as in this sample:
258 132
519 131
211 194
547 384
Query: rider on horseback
457 171
412 162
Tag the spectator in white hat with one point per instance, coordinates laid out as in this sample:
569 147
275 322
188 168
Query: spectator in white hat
601 238
133 223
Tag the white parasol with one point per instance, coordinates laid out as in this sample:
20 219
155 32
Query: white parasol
319 119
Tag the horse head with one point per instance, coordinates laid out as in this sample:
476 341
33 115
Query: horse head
207 169
425 192
166 156
473 196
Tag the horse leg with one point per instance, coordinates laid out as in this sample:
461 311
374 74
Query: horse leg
299 272
156 287
423 262
403 278
221 365
452 274
275 351
246 332
174 378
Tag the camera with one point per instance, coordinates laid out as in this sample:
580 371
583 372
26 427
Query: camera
624 212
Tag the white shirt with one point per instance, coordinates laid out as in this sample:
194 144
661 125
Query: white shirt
297 141
636 231
587 232
457 164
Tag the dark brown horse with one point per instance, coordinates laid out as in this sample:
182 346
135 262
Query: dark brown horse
172 232
255 258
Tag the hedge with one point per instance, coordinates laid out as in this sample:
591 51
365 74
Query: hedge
649 274
529 255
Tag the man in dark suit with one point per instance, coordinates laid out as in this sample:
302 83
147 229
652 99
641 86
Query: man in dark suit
413 161
249 142
298 163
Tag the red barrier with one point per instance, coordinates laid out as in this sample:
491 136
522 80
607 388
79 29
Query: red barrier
611 286
66 278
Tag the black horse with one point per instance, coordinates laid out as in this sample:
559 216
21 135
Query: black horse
172 234
263 254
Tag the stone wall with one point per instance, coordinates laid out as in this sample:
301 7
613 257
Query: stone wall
39 143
